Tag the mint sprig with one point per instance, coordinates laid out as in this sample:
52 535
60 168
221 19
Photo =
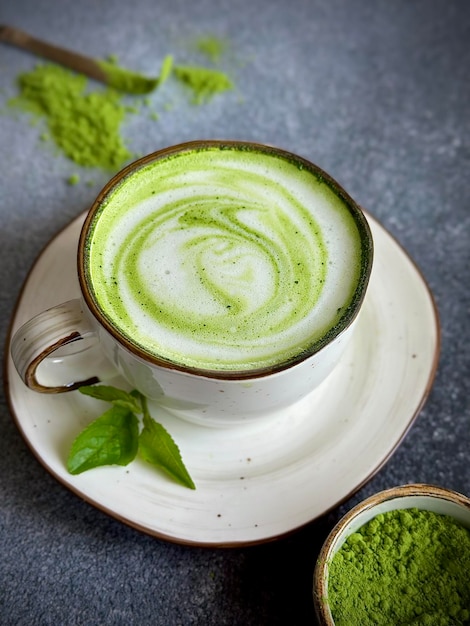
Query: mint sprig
114 437
158 448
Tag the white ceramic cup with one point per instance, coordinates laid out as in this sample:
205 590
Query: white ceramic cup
213 398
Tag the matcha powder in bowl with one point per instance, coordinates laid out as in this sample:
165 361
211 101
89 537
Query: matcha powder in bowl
400 557
403 567
86 126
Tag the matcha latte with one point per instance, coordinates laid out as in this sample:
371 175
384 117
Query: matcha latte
225 257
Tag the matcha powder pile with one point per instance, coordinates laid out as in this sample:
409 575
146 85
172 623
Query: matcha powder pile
84 125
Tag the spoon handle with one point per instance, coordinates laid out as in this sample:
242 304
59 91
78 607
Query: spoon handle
73 60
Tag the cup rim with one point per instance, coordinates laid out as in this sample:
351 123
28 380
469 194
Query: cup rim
342 529
344 323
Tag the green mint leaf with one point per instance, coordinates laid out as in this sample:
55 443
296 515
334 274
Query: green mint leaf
112 439
118 397
157 447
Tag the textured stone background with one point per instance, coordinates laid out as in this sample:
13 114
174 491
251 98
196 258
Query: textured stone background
376 93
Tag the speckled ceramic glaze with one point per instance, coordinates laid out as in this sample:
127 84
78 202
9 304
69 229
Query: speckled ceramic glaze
420 496
206 394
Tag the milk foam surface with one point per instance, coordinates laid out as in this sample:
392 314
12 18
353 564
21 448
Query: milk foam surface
224 259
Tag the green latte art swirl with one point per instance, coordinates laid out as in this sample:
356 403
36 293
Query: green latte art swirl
224 259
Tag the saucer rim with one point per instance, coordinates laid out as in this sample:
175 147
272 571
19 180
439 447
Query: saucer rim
432 367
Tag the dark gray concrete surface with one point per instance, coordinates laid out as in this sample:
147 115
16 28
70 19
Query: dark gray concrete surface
376 93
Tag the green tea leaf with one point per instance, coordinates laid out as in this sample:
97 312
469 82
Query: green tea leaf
112 439
118 397
158 448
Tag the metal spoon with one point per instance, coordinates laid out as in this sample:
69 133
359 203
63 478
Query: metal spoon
103 71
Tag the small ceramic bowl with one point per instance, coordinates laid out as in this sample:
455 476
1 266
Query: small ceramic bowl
425 497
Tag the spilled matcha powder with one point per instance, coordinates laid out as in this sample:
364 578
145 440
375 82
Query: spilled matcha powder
403 567
74 179
211 46
86 126
204 82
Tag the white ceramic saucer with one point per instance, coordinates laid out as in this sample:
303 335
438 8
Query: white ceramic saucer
255 482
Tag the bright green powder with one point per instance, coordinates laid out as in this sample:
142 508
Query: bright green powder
86 126
212 46
403 567
204 82
74 179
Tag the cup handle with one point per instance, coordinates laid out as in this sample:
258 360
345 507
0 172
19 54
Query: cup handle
43 335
